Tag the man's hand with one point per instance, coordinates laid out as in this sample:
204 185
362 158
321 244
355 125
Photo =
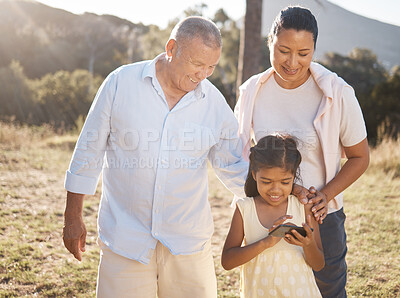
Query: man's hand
74 231
320 204
74 236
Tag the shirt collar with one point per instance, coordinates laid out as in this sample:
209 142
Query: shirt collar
198 92
150 71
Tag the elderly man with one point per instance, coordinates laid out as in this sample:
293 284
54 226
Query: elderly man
151 130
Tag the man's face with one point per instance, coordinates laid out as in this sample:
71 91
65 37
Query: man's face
191 62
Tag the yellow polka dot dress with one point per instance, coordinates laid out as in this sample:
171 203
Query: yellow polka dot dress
280 271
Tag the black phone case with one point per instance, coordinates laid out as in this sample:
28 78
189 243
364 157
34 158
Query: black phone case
282 230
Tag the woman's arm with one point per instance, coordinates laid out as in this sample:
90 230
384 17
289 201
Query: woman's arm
356 164
234 254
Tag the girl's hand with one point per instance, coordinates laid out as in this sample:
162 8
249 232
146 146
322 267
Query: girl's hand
274 240
298 239
320 204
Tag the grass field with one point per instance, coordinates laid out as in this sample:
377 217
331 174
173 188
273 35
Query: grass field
33 261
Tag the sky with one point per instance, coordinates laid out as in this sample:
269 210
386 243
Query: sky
159 12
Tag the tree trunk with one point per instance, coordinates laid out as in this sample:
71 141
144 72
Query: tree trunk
250 43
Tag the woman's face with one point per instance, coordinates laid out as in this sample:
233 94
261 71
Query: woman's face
291 52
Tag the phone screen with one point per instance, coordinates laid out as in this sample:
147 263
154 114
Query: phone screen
282 230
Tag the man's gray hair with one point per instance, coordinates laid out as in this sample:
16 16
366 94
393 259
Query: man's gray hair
197 27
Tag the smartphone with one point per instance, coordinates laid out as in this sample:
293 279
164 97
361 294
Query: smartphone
282 230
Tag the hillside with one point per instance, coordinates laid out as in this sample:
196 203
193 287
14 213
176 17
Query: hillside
46 39
341 30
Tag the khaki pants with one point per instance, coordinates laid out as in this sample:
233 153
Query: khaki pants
166 276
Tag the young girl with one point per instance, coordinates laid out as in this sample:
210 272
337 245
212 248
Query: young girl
273 266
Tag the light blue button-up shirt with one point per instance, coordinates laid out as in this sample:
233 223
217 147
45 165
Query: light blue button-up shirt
154 162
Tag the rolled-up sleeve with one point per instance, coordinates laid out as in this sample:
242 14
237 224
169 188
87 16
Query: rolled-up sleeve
87 160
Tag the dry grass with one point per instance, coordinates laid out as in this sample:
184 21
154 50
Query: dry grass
33 261
14 136
386 156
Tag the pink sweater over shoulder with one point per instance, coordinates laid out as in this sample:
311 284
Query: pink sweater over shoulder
326 122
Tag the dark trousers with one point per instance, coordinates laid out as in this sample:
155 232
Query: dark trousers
331 280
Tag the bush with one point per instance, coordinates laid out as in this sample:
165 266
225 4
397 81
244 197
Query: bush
64 96
16 97
59 98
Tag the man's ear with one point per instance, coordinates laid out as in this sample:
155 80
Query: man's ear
170 47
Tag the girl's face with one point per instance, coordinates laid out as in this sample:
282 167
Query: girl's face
274 184
291 52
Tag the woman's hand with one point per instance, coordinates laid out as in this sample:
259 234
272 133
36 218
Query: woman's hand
301 193
320 204
298 239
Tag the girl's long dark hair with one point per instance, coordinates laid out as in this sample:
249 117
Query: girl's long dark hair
273 151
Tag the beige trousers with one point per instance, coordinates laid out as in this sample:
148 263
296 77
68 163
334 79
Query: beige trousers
166 276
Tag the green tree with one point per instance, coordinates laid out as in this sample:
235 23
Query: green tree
386 104
361 69
64 96
363 72
196 10
250 52
16 96
224 77
153 42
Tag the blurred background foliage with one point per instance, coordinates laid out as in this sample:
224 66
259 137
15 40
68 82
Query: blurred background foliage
52 63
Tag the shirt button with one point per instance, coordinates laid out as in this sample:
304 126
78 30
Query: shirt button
159 187
157 211
156 233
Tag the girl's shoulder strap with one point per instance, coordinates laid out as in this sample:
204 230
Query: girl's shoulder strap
296 209
244 204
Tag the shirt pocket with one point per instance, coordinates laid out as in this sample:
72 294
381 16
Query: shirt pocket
195 140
